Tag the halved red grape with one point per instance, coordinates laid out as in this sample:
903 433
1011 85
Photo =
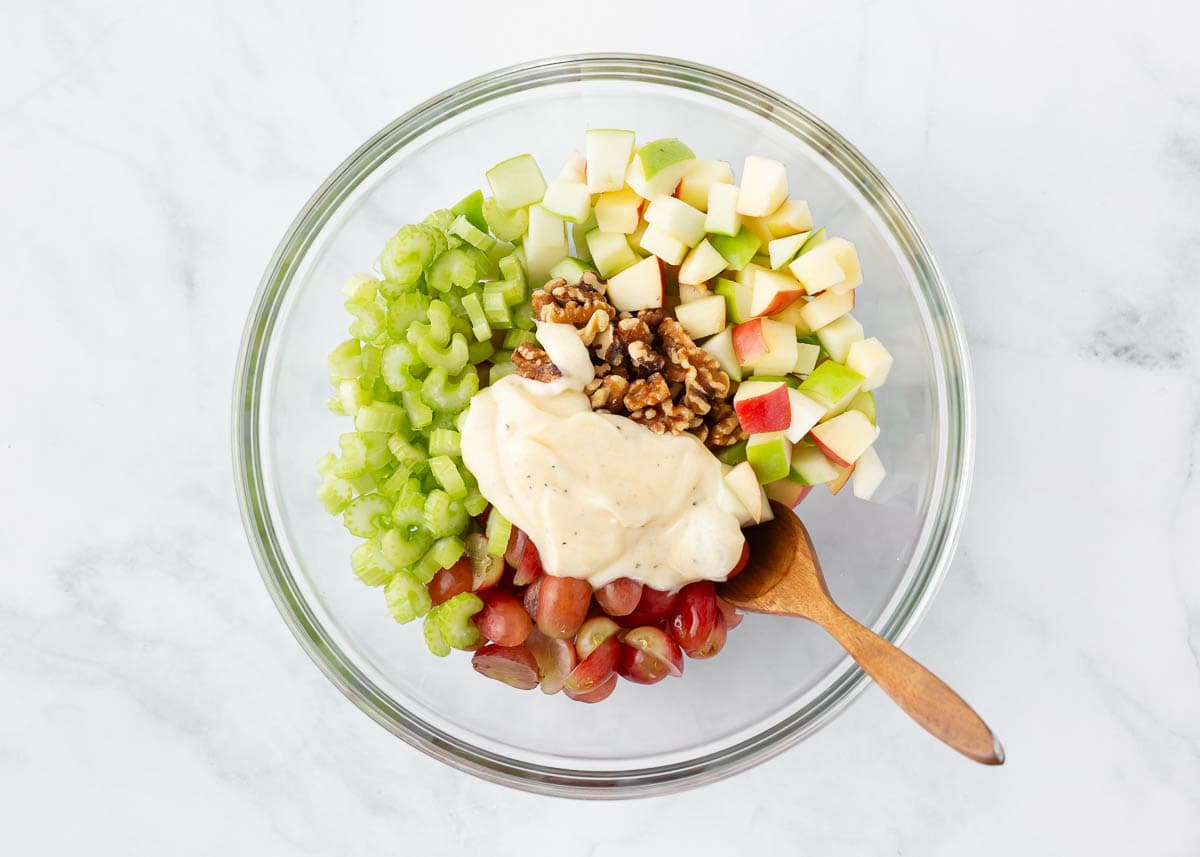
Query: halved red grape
555 659
713 644
503 619
695 615
741 563
653 607
516 546
513 665
592 633
485 568
733 616
597 694
530 598
562 605
655 643
620 597
595 669
529 566
451 581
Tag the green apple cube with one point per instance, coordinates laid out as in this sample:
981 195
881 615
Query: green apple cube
814 240
737 299
871 360
770 455
471 207
702 175
722 217
764 186
579 233
792 382
720 346
539 261
610 252
608 154
806 358
657 167
505 224
570 269
663 244
810 466
618 211
545 229
575 169
635 237
783 250
676 218
831 383
787 491
700 266
737 250
826 308
791 218
733 454
517 182
846 256
568 199
839 335
864 403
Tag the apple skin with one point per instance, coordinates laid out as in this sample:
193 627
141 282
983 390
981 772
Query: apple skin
845 437
744 486
763 407
787 492
749 341
773 292
830 454
770 456
838 484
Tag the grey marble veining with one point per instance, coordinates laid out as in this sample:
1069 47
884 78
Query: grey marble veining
151 701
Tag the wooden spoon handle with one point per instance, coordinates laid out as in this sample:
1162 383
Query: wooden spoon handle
922 695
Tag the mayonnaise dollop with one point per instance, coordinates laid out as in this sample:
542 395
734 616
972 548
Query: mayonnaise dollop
601 496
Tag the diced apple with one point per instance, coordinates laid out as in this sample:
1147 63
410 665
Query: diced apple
770 455
810 466
750 341
617 211
766 346
743 484
826 308
701 265
540 260
746 275
843 476
579 233
701 175
676 218
570 269
793 314
721 347
545 229
868 474
806 358
728 502
763 406
608 154
788 492
817 269
663 244
639 286
764 186
839 336
773 292
864 402
846 256
568 199
610 251
738 250
722 217
689 292
702 318
846 437
790 218
635 237
737 299
575 169
805 413
871 360
783 250
831 383
758 227
657 167
516 183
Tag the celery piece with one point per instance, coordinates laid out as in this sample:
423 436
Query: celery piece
433 635
439 219
470 233
451 358
325 465
437 330
369 319
406 449
404 546
479 322
510 269
419 414
499 370
352 396
444 393
404 310
474 502
454 620
406 598
477 352
444 515
379 416
361 287
408 513
485 267
345 361
446 473
502 356
407 253
353 460
453 268
516 338
396 367
370 565
363 517
426 567
511 291
377 452
495 307
396 481
505 225
335 406
523 316
445 442
335 494
499 529
372 358
471 207
447 551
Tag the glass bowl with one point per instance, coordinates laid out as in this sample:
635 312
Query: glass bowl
778 680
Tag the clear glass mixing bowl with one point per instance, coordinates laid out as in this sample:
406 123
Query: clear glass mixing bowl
778 680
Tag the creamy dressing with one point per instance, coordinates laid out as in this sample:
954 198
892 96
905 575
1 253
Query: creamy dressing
601 496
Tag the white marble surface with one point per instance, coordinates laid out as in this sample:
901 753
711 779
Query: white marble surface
152 702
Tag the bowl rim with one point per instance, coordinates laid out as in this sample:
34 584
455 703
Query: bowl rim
950 347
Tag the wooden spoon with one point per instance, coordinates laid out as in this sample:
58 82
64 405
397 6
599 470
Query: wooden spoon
784 578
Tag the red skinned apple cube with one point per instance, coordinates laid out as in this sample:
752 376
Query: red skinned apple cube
743 485
773 292
640 286
787 492
845 437
766 346
763 406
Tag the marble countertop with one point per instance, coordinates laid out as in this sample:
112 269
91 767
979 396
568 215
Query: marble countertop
152 702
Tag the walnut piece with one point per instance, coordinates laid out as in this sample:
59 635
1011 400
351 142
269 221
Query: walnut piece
580 305
646 393
532 362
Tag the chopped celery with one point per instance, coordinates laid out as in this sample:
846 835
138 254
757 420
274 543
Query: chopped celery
377 452
406 449
372 356
444 515
408 513
345 361
479 322
361 287
445 442
404 310
454 268
511 291
471 207
364 516
396 481
335 406
437 330
505 225
499 370
461 420
454 620
516 338
510 269
335 494
406 598
396 367
439 220
470 233
447 475
325 465
495 307
447 551
433 635
499 528
379 416
370 565
407 253
369 318
444 393
419 414
352 396
403 547
474 502
502 356
477 352
523 316
353 460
